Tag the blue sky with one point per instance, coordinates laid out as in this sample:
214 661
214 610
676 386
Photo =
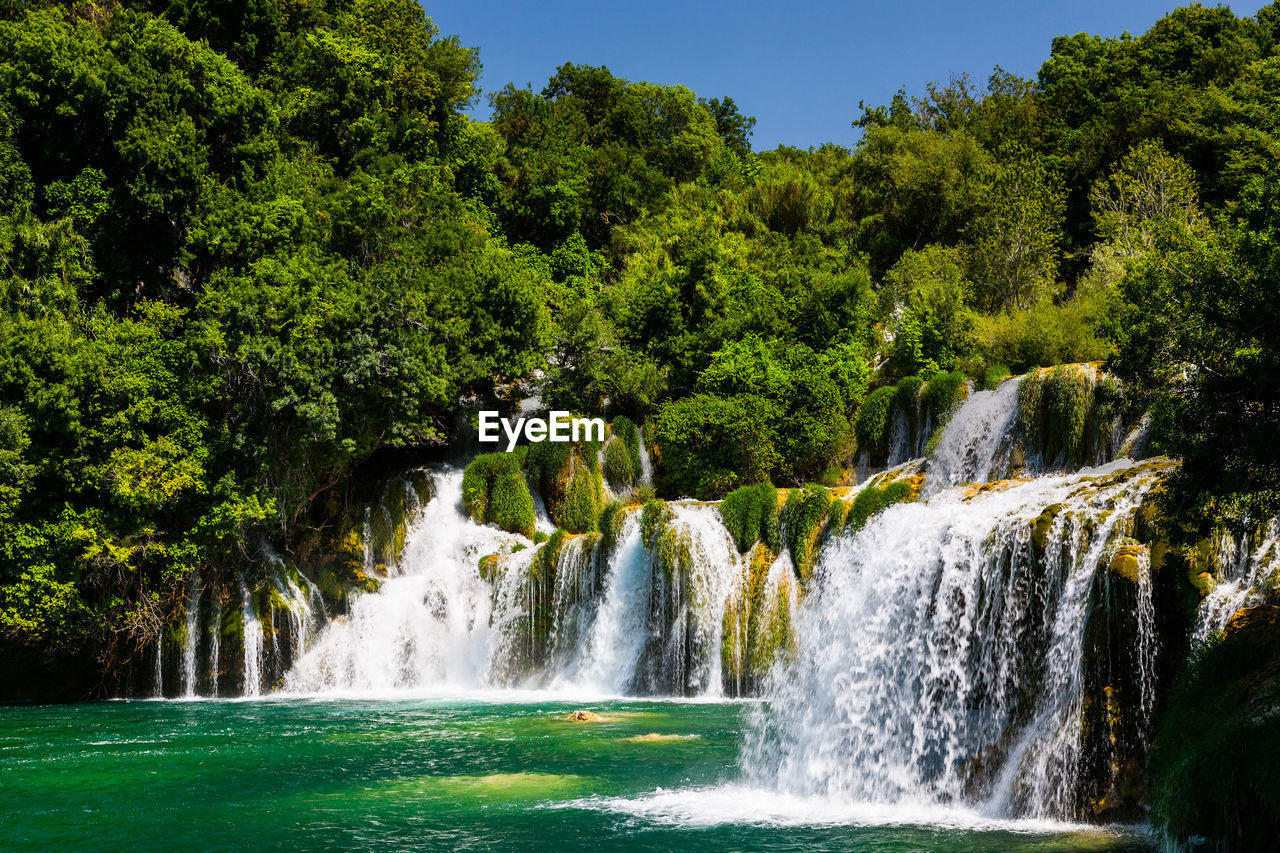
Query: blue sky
799 67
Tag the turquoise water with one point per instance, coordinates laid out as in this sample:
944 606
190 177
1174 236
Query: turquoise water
434 774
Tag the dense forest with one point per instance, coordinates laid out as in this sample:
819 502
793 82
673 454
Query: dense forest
249 249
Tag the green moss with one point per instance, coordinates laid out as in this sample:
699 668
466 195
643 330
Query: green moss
1043 525
1068 396
545 464
619 468
871 424
1030 393
751 514
906 396
612 518
494 491
625 429
805 513
580 509
872 499
538 537
992 376
943 395
655 516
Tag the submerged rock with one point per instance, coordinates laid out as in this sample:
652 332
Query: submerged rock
584 716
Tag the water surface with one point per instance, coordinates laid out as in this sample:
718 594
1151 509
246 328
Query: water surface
437 774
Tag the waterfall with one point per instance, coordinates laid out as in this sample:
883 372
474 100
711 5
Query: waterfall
617 637
940 657
1243 563
215 641
976 443
472 606
428 622
191 640
252 642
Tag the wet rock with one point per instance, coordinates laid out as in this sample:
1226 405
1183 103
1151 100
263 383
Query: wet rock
584 716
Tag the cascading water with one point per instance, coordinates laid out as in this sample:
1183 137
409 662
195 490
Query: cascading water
428 623
977 442
252 642
191 640
945 643
1244 564
616 640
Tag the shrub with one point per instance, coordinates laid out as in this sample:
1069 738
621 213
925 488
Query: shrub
805 513
494 491
711 445
871 424
619 468
751 514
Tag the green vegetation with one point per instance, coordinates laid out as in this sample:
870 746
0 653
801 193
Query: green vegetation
1215 753
619 468
250 253
494 490
804 515
751 515
871 499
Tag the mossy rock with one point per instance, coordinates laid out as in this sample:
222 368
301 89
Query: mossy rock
806 513
494 491
1127 562
654 516
1043 526
580 510
751 515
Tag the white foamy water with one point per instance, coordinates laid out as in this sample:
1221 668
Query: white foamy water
915 650
976 442
428 623
1242 566
739 804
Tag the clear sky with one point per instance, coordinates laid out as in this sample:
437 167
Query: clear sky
799 66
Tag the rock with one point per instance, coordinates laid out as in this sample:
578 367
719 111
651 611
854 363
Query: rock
584 716
1041 527
1127 562
1260 621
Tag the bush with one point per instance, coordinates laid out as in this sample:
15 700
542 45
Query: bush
805 513
711 445
494 491
751 514
1214 761
619 468
871 425
1045 335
